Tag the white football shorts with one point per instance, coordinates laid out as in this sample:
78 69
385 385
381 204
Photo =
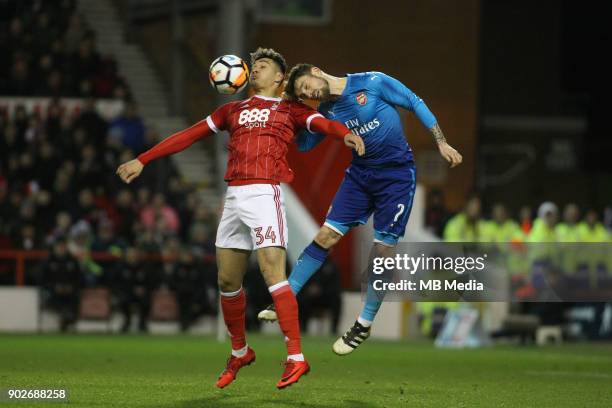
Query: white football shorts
253 217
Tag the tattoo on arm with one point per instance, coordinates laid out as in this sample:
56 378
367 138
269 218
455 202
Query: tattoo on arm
437 134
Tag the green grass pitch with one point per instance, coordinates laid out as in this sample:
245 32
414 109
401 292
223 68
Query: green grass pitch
180 371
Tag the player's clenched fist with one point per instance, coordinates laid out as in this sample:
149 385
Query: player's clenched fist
128 171
450 154
355 142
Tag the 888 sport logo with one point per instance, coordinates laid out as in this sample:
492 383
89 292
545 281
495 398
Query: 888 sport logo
252 118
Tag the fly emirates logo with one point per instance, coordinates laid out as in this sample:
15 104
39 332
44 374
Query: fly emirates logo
253 118
361 128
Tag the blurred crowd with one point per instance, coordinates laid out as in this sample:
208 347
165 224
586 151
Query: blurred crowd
48 50
58 188
547 224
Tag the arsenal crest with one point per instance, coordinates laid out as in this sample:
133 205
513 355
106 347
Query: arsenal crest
361 98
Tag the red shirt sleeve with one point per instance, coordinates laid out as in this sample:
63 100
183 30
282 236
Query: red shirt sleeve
319 124
177 142
219 119
303 115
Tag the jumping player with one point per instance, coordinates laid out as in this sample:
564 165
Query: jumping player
382 182
261 129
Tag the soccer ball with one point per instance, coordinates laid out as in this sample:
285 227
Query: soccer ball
228 74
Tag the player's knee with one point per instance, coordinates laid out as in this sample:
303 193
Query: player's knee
227 284
327 238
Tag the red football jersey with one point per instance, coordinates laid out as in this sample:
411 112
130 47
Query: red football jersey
261 129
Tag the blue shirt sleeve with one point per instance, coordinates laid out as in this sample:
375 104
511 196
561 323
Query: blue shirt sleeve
307 141
394 92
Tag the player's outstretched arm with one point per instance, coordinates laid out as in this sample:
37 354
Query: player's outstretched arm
447 151
396 93
179 141
338 130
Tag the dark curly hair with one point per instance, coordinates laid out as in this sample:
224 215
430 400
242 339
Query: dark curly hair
296 72
273 55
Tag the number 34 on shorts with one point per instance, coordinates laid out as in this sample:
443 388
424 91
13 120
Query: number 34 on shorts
253 217
261 238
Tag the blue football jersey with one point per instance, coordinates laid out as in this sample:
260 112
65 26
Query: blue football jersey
368 106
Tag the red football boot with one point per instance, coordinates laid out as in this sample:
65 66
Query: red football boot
293 371
234 364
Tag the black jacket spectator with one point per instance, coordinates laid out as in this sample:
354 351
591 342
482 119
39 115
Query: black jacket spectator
61 277
189 286
133 285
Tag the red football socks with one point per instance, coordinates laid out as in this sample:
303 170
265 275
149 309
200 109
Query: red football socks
233 305
287 311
